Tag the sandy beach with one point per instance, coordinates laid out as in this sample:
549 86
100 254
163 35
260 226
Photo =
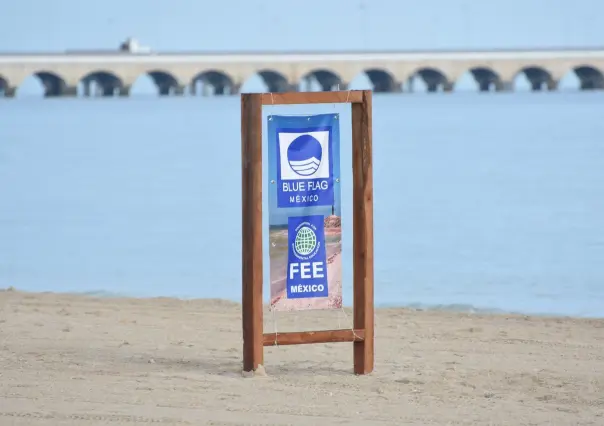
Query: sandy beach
75 360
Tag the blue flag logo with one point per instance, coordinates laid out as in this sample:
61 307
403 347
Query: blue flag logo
304 155
304 167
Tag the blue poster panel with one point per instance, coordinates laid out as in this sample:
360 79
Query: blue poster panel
306 262
305 235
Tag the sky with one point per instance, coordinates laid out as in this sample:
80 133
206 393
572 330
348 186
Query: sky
317 25
54 25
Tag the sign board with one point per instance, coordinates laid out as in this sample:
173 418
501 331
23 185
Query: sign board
305 231
305 212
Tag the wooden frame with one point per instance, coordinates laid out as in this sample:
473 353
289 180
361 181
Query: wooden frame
362 336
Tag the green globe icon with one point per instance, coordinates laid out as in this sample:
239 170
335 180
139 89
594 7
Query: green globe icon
305 241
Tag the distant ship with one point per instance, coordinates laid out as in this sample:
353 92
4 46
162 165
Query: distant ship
129 46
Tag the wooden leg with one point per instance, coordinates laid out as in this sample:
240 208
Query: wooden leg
362 168
251 176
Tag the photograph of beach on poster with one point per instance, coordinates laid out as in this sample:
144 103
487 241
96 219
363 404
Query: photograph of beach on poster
308 148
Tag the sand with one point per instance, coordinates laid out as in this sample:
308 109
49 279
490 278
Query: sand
74 360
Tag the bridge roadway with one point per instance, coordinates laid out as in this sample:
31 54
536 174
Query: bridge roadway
112 73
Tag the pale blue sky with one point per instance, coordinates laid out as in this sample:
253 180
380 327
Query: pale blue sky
300 25
37 25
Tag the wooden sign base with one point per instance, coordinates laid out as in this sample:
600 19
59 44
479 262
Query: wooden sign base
362 334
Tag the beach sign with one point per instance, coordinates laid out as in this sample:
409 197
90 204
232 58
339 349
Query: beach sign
304 221
304 212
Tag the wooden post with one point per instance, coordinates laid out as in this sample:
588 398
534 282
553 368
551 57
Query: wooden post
362 335
362 222
251 227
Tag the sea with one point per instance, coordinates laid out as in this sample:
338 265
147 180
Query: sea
483 202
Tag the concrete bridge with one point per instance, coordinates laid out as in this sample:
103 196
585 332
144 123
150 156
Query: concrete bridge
112 73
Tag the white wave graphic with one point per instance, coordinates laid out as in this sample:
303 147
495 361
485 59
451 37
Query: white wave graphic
305 167
310 160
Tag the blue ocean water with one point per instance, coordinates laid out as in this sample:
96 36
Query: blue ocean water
484 201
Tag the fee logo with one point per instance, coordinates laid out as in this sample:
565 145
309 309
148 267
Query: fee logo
306 260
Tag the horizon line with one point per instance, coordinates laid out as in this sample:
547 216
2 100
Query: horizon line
102 51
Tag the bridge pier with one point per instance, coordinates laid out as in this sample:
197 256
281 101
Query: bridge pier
540 85
327 84
536 85
69 92
170 90
212 82
589 79
8 92
486 85
386 86
592 84
104 89
205 90
220 90
504 86
397 87
108 91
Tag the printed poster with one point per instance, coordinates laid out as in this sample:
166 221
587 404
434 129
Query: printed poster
305 234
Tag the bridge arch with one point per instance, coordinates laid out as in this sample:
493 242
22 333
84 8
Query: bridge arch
434 79
3 86
101 83
221 82
52 83
486 78
590 77
382 80
275 81
326 79
539 77
166 83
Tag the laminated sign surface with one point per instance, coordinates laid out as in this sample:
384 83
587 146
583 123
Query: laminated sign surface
304 212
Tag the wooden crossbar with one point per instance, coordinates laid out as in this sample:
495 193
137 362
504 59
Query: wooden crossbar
291 98
304 337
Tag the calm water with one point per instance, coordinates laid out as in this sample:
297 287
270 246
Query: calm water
487 201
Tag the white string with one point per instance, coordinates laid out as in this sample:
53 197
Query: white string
375 324
272 309
346 317
297 115
350 322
